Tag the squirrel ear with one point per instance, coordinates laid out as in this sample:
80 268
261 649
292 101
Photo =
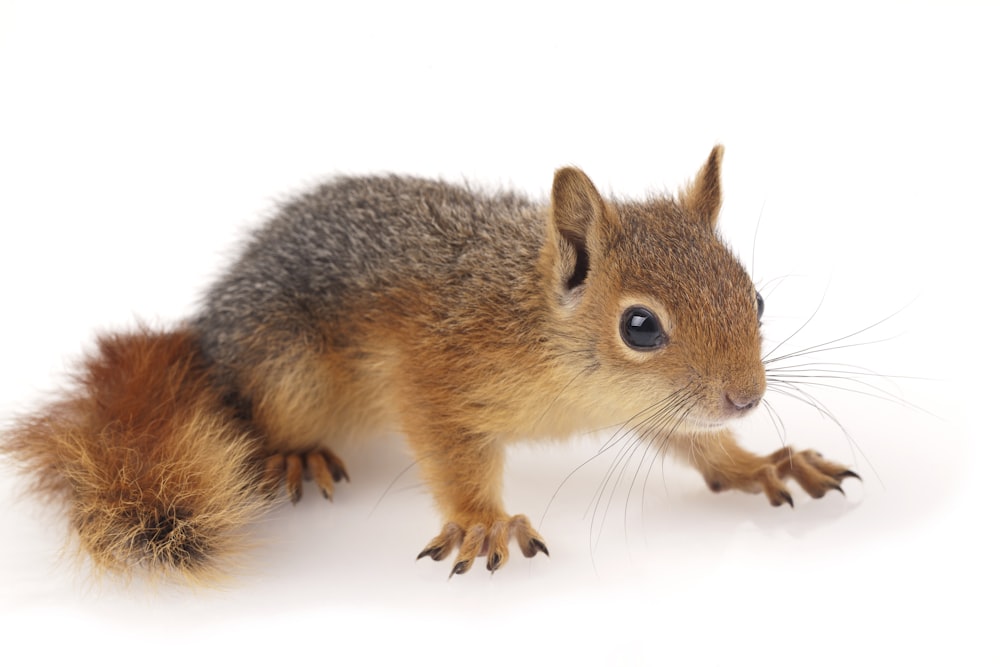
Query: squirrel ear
704 196
577 213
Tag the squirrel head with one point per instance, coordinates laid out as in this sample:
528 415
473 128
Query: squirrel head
670 316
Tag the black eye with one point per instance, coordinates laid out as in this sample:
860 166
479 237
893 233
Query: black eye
641 330
760 306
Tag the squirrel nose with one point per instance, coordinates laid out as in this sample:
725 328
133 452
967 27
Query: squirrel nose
742 402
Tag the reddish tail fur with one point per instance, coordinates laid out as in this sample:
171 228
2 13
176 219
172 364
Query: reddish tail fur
155 470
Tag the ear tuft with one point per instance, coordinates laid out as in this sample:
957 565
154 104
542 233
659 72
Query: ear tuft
704 196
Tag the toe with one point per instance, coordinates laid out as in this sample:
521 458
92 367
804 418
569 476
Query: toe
318 469
529 541
335 466
293 478
442 545
496 546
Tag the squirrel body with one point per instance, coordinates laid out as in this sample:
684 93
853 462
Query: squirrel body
466 320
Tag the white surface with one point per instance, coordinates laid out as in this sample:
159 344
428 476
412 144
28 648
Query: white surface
136 145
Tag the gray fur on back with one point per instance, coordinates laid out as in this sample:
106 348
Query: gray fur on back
349 239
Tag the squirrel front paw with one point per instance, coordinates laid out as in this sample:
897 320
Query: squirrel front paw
317 463
488 538
808 468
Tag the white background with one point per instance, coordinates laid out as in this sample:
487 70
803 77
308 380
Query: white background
138 143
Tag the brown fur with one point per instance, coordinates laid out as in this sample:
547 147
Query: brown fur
465 321
154 472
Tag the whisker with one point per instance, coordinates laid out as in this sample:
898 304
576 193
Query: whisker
777 421
793 391
634 438
640 440
756 230
876 392
768 358
391 484
799 394
797 331
631 434
655 445
847 369
766 289
655 407
821 348
555 399
659 445
615 437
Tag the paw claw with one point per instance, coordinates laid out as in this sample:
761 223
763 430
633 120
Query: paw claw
318 464
816 475
436 553
488 538
293 478
537 545
335 465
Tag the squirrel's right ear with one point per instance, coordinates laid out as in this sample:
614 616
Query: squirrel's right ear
579 216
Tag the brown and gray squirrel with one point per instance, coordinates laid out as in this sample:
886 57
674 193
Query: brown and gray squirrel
463 319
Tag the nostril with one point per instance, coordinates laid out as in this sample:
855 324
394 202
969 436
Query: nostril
742 402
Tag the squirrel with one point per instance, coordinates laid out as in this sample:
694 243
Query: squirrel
467 320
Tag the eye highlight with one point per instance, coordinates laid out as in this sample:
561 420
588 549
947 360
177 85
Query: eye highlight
641 330
760 306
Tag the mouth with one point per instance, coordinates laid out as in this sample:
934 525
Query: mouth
704 425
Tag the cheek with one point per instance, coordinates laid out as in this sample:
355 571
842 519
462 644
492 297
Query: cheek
651 375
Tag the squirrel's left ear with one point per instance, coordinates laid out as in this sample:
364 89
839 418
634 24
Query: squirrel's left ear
704 196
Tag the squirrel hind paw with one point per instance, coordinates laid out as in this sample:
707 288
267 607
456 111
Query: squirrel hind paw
292 468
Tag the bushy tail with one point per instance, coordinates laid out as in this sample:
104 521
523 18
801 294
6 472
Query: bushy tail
155 471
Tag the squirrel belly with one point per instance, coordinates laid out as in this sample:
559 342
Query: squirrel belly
464 319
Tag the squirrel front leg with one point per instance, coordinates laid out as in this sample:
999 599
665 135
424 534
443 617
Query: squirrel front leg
726 465
465 474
